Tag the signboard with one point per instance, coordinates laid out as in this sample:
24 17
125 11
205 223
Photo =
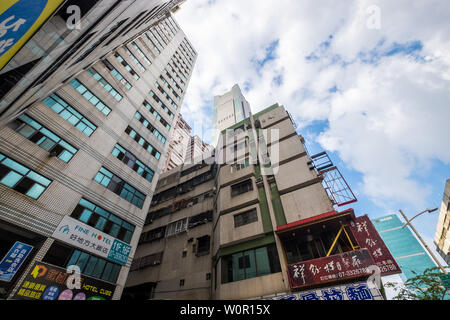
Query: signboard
367 236
19 20
12 261
47 282
350 291
79 234
348 265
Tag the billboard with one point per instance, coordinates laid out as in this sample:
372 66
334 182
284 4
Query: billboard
79 234
348 265
48 282
19 20
367 236
348 291
12 261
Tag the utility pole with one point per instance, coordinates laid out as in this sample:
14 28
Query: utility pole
408 222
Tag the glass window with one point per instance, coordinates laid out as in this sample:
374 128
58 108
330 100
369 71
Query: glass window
44 138
21 179
70 114
105 84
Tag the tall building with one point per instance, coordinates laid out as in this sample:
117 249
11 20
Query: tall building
178 145
406 249
86 116
442 236
197 150
258 222
229 109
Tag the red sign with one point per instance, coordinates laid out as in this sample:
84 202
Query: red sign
367 236
348 265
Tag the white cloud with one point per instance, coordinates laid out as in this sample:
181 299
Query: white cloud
387 120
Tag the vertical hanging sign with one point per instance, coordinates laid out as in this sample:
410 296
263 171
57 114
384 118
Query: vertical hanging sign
19 20
368 238
15 257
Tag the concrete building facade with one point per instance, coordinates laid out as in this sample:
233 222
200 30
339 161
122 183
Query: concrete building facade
197 150
178 145
271 217
84 131
442 236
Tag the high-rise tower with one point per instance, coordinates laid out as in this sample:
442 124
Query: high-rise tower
229 109
86 116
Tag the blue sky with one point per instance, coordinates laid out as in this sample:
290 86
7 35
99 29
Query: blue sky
376 97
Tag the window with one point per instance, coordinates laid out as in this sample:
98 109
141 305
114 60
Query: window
161 104
152 129
164 93
90 265
127 66
181 282
133 57
177 227
105 84
103 220
157 214
203 244
19 178
157 115
240 165
46 139
68 113
136 47
92 98
245 218
250 264
153 235
117 74
200 219
241 187
110 181
172 80
142 142
130 160
147 261
153 44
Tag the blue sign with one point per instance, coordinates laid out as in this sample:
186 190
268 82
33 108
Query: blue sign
13 260
119 252
19 20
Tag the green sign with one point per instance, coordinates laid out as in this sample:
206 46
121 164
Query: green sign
445 280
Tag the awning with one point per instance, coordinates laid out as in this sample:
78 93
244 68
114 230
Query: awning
346 215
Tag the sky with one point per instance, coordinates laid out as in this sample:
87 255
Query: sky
366 81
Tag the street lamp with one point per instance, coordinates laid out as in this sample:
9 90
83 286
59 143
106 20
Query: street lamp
408 222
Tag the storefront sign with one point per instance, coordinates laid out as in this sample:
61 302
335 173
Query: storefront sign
92 240
47 282
13 260
368 237
351 291
348 265
19 20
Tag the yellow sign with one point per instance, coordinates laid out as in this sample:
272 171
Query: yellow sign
19 20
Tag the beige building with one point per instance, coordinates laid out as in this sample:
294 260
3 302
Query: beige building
197 150
264 209
84 129
442 236
178 145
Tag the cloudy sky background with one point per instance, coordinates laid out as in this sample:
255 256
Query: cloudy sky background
373 93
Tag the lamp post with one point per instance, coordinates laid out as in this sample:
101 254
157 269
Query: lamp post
408 222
